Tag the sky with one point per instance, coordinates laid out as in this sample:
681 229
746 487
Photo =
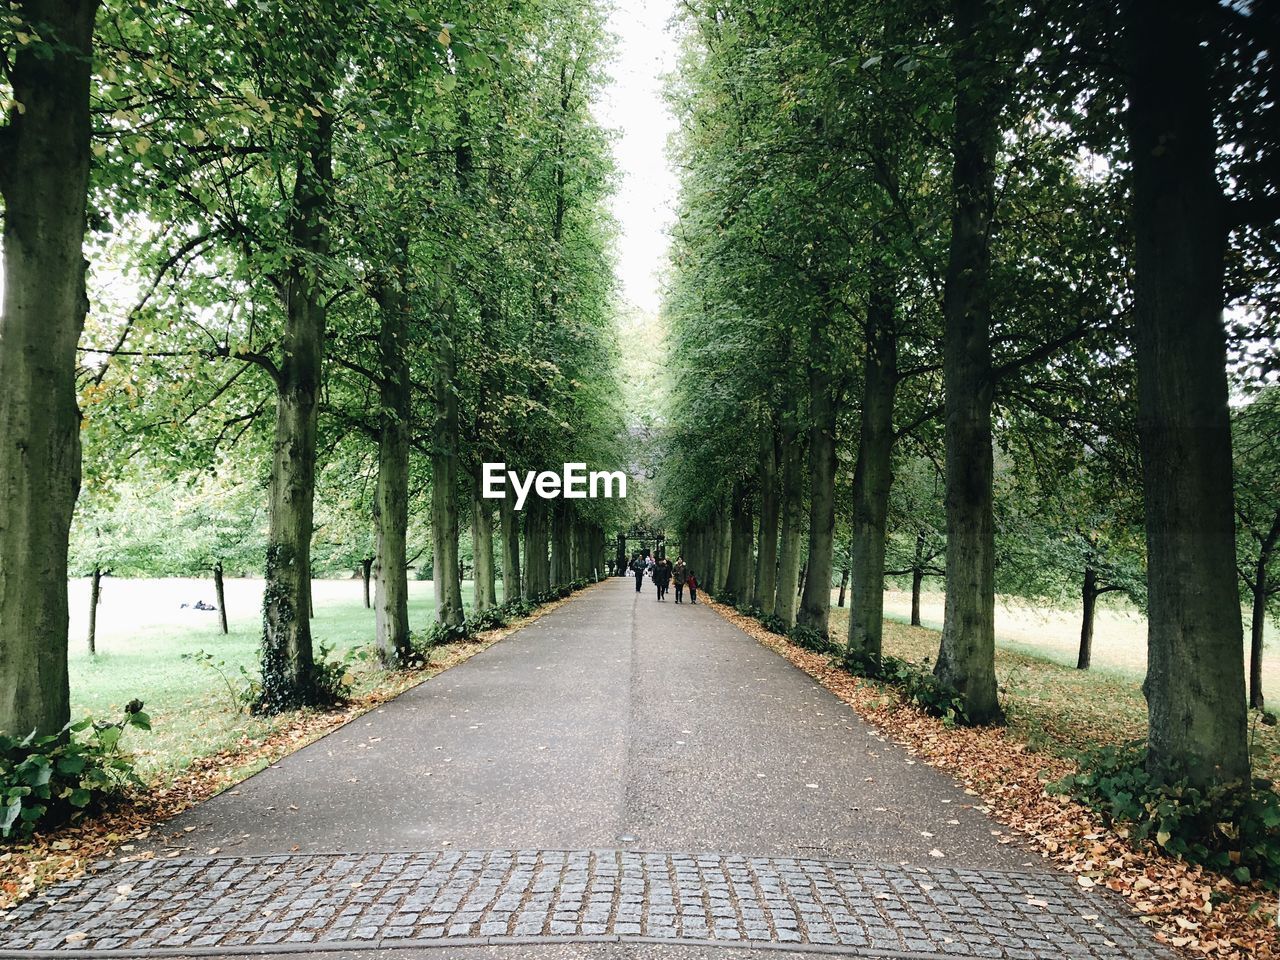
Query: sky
632 105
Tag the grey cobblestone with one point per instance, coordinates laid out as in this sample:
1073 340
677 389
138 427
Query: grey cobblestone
371 900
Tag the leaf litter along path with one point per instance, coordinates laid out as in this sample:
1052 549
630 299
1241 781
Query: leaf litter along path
518 799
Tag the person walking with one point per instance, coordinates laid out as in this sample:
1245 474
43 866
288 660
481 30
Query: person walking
638 567
662 576
678 575
691 582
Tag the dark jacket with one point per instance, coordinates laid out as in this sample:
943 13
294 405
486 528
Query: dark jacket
679 572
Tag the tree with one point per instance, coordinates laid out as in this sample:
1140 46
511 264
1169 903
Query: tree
44 174
1195 678
1256 451
966 657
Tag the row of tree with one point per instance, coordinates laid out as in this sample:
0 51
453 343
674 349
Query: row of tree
362 241
995 240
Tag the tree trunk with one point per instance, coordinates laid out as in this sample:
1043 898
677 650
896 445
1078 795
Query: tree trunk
741 531
220 596
482 551
764 595
792 462
1257 626
560 544
1089 604
288 680
95 597
510 550
966 657
724 550
537 568
366 573
815 602
444 487
844 581
391 496
1195 675
917 578
873 474
583 560
44 173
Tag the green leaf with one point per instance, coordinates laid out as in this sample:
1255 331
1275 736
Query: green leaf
10 815
70 765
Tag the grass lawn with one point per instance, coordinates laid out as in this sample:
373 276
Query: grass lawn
143 634
1055 707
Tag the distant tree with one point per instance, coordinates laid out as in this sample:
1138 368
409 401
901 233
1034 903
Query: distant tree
1256 448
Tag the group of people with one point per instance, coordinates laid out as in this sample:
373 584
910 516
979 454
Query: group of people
664 573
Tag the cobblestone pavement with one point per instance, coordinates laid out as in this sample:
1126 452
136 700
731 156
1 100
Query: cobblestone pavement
309 902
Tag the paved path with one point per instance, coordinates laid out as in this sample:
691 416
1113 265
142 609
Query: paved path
512 805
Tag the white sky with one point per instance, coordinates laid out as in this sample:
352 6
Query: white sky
633 106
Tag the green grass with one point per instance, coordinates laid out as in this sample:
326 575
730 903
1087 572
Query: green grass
1053 706
191 711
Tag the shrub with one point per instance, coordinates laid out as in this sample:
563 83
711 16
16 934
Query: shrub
1227 828
805 636
916 683
489 619
51 779
748 610
773 623
333 677
518 607
439 634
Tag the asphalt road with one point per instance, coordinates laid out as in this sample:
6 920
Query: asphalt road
615 721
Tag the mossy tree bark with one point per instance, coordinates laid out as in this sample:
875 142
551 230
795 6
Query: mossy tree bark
44 174
815 601
966 657
741 533
723 548
873 473
537 566
510 550
792 457
444 488
766 579
288 679
482 552
1195 671
561 544
391 496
